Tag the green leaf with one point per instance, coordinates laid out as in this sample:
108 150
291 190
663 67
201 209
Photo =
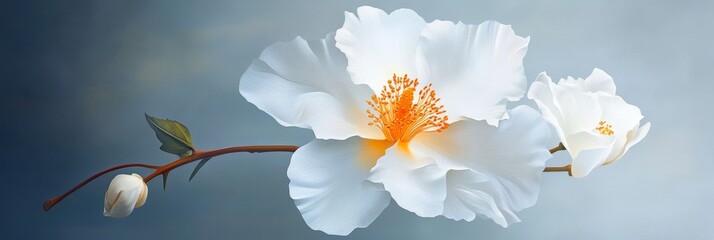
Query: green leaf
173 135
199 166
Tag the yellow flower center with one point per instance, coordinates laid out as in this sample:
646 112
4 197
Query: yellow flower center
604 128
399 118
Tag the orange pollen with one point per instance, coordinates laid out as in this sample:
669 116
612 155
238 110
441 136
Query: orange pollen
604 128
399 118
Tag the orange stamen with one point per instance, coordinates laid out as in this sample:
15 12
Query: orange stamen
399 118
604 128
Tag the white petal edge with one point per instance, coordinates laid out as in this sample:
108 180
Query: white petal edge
624 117
477 69
471 193
588 151
304 84
144 194
327 183
415 182
597 81
634 137
586 140
379 45
541 92
580 111
587 160
501 166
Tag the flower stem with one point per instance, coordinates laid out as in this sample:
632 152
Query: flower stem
165 169
557 148
49 203
198 155
565 168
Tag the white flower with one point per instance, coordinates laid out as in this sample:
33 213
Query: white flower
596 126
381 133
125 193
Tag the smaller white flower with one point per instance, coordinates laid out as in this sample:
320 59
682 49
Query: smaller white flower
596 126
125 193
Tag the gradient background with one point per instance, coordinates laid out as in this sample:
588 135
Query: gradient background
78 77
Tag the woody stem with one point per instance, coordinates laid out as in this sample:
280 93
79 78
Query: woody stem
165 169
198 155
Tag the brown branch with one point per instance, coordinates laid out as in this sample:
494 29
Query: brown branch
47 205
198 155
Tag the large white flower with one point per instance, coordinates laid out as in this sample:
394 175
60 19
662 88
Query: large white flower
596 126
431 144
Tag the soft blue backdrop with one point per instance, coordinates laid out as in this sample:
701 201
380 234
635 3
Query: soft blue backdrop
77 78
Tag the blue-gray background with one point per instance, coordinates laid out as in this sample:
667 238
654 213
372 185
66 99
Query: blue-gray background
77 78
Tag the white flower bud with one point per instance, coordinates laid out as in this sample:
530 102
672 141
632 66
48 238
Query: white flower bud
125 193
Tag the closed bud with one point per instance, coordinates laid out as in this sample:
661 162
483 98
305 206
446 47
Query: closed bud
125 193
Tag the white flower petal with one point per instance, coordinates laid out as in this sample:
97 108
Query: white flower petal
589 150
639 135
587 140
633 137
622 116
471 193
415 182
378 45
598 81
580 111
587 160
144 194
304 84
506 162
327 183
618 146
541 92
479 68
